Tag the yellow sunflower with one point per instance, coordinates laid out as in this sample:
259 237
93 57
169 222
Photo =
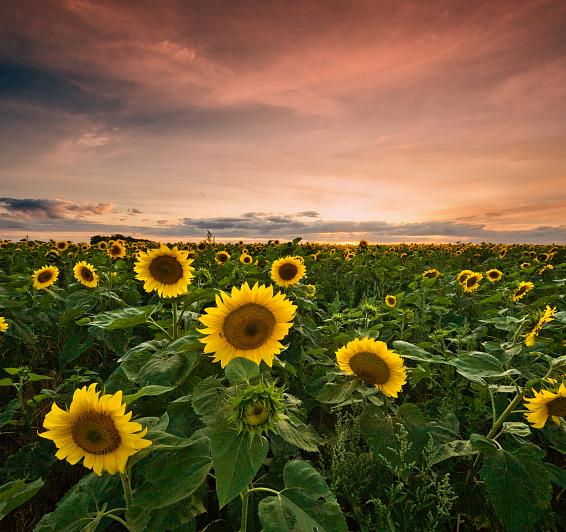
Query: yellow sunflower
3 324
390 301
546 317
248 323
96 429
102 245
245 258
288 271
522 290
45 277
472 282
463 275
372 362
546 404
222 257
524 265
168 271
201 246
494 275
62 245
116 250
431 274
86 274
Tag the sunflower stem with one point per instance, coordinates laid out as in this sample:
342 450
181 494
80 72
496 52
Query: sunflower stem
127 487
175 321
244 522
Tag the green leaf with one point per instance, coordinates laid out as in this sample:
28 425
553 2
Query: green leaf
305 505
451 449
34 377
15 493
121 318
8 413
516 427
168 477
413 352
6 381
209 401
237 459
476 365
518 485
299 434
241 370
151 390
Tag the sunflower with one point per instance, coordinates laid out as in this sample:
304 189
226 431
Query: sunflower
245 258
86 274
116 250
463 275
201 246
472 282
372 362
524 265
493 275
96 429
62 245
390 301
546 317
288 271
168 271
431 274
3 324
522 290
222 257
249 323
45 277
102 245
85 246
546 404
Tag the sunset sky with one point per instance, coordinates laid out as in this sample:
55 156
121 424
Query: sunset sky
331 120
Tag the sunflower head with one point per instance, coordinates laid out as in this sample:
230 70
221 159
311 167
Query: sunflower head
463 275
288 271
96 429
472 282
102 245
3 324
363 244
45 277
245 258
494 275
167 271
372 362
431 274
310 291
116 250
257 408
522 290
201 246
249 323
546 404
222 257
61 245
390 301
86 274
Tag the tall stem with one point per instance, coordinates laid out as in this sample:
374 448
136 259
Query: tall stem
244 522
175 320
127 487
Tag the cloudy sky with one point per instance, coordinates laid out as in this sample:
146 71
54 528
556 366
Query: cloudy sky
332 120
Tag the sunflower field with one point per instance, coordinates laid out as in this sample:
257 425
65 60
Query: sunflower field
282 386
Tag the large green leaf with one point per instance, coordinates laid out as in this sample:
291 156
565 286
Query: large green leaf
166 478
15 493
305 505
477 365
518 485
120 319
241 370
413 352
451 449
237 459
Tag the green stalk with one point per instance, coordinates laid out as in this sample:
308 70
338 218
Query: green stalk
175 321
127 487
244 522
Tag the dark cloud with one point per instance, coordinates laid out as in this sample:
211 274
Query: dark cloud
45 209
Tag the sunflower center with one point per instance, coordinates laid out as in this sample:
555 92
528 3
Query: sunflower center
256 413
116 250
557 407
222 257
249 326
86 274
166 269
96 433
471 281
45 276
370 368
288 271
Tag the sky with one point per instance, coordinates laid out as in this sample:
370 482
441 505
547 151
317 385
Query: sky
334 120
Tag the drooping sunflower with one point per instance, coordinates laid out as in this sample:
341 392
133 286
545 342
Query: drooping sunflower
546 317
546 404
288 271
372 362
431 274
97 429
3 324
472 282
167 271
494 275
62 245
45 277
249 323
222 257
463 275
86 274
116 250
245 258
522 290
390 301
